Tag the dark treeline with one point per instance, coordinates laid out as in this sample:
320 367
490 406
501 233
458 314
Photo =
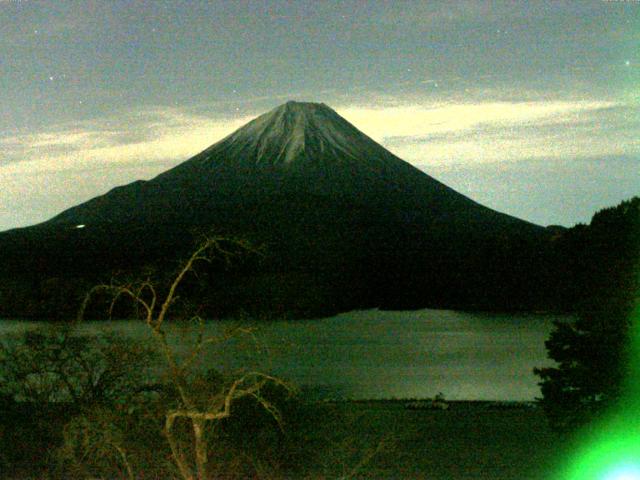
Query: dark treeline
310 264
592 352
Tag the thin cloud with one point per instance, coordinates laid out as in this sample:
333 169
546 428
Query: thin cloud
433 133
157 135
498 131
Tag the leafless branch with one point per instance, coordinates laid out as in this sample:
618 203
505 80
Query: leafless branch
145 294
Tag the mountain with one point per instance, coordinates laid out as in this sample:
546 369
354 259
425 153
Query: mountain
296 149
345 224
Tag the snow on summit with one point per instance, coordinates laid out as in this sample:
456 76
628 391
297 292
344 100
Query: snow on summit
297 129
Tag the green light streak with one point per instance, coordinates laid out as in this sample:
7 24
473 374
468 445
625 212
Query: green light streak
610 449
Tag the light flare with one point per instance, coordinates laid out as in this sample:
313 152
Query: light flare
610 449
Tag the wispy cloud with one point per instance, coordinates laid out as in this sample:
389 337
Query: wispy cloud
463 133
425 134
162 136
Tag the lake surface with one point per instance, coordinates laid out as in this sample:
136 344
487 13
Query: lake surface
380 354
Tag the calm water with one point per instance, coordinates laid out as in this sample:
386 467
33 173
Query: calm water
375 354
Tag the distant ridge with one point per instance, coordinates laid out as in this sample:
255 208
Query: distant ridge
345 224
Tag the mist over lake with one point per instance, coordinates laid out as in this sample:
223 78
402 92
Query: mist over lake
380 354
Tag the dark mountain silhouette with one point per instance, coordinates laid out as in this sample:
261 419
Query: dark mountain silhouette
345 224
296 149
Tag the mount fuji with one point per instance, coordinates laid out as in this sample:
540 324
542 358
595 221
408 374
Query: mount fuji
298 149
344 222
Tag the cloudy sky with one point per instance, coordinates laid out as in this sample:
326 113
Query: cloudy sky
532 108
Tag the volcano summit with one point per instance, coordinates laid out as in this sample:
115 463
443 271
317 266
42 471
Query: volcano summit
345 224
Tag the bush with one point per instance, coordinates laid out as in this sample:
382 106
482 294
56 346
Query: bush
60 365
50 377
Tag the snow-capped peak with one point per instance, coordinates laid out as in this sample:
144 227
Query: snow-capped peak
297 130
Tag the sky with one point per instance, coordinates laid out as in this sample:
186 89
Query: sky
530 108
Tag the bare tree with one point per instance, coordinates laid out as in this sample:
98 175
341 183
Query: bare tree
197 411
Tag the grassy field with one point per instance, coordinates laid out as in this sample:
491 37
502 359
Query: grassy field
330 440
470 440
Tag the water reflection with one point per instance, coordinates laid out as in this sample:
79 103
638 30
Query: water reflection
376 354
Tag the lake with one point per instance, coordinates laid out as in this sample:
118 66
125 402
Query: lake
380 354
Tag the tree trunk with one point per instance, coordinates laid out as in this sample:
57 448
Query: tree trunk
176 453
201 448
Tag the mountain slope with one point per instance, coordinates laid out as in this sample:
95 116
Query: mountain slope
345 222
297 148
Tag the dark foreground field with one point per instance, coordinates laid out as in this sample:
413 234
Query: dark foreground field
365 439
470 440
